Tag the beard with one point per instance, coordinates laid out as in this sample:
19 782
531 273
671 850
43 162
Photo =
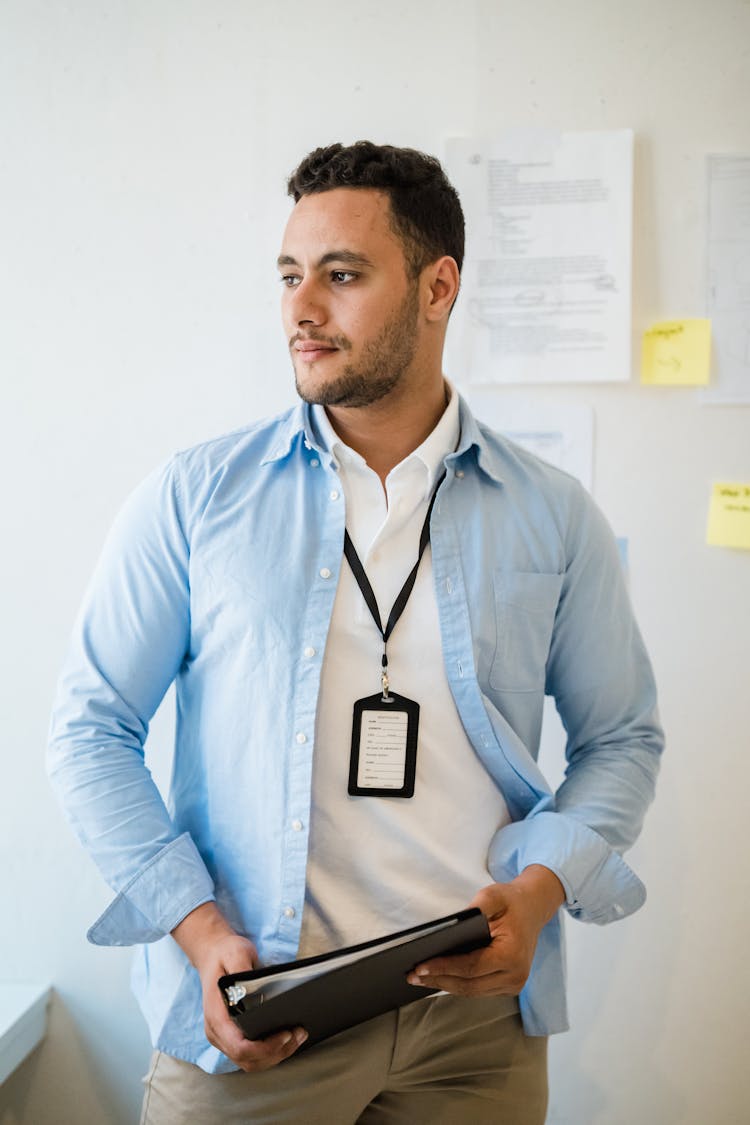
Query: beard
380 367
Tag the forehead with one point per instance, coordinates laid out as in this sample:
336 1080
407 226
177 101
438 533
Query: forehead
344 218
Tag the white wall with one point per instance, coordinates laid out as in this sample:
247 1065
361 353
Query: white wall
143 151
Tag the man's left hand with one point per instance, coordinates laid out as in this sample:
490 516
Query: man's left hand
516 912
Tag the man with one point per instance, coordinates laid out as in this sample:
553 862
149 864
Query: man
226 572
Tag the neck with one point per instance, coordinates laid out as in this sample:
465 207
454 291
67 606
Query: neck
386 432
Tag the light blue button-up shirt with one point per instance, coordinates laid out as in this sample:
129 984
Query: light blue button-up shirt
220 574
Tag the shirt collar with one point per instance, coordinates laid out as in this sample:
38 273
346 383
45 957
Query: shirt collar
303 423
473 438
440 442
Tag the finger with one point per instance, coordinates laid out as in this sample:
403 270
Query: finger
241 957
224 1033
221 1029
262 1054
480 962
494 984
491 900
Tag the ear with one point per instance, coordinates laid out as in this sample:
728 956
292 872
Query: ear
441 280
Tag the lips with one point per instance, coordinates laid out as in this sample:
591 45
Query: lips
311 350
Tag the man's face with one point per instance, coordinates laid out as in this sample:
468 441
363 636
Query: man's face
349 308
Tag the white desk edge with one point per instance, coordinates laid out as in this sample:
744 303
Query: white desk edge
23 1022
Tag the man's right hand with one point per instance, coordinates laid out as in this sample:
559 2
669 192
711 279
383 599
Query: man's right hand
215 949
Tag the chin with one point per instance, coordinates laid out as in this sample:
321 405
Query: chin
311 390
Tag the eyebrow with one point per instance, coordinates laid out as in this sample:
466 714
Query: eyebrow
346 257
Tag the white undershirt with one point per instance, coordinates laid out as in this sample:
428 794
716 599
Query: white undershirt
378 864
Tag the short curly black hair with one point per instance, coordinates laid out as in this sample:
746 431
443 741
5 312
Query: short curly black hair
426 212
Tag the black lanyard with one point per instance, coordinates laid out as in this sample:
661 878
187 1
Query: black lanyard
400 603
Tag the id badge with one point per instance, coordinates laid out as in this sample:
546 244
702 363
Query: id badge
384 747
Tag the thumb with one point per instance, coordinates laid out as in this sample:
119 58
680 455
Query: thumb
492 900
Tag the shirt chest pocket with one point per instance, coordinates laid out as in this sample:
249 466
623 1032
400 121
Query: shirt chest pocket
525 606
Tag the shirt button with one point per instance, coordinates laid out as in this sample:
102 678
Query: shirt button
334 495
314 463
309 651
324 572
297 825
301 737
460 474
289 911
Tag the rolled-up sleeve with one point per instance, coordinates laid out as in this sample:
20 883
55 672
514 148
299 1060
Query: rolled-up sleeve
130 640
599 885
601 679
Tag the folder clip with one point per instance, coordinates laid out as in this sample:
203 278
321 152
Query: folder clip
235 993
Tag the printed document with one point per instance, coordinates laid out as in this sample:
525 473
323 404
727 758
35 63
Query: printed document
547 277
728 297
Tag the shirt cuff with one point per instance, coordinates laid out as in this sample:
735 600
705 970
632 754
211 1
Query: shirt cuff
174 882
599 886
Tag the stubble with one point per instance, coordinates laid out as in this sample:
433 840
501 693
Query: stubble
379 369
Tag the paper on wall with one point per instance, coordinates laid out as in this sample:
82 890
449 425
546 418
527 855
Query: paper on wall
729 516
562 435
677 353
728 279
547 276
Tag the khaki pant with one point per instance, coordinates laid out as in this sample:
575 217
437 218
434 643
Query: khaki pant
443 1060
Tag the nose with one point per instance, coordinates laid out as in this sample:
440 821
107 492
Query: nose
304 303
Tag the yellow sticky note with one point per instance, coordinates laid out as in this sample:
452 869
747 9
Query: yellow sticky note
677 353
729 516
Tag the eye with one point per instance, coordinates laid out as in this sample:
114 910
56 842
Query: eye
289 280
342 277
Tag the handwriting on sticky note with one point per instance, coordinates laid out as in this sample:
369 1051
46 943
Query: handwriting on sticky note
677 353
729 516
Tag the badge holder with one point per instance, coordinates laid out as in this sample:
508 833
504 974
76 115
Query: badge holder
383 761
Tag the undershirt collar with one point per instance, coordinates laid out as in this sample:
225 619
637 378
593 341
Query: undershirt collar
431 453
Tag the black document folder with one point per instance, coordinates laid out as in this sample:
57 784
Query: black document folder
327 994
